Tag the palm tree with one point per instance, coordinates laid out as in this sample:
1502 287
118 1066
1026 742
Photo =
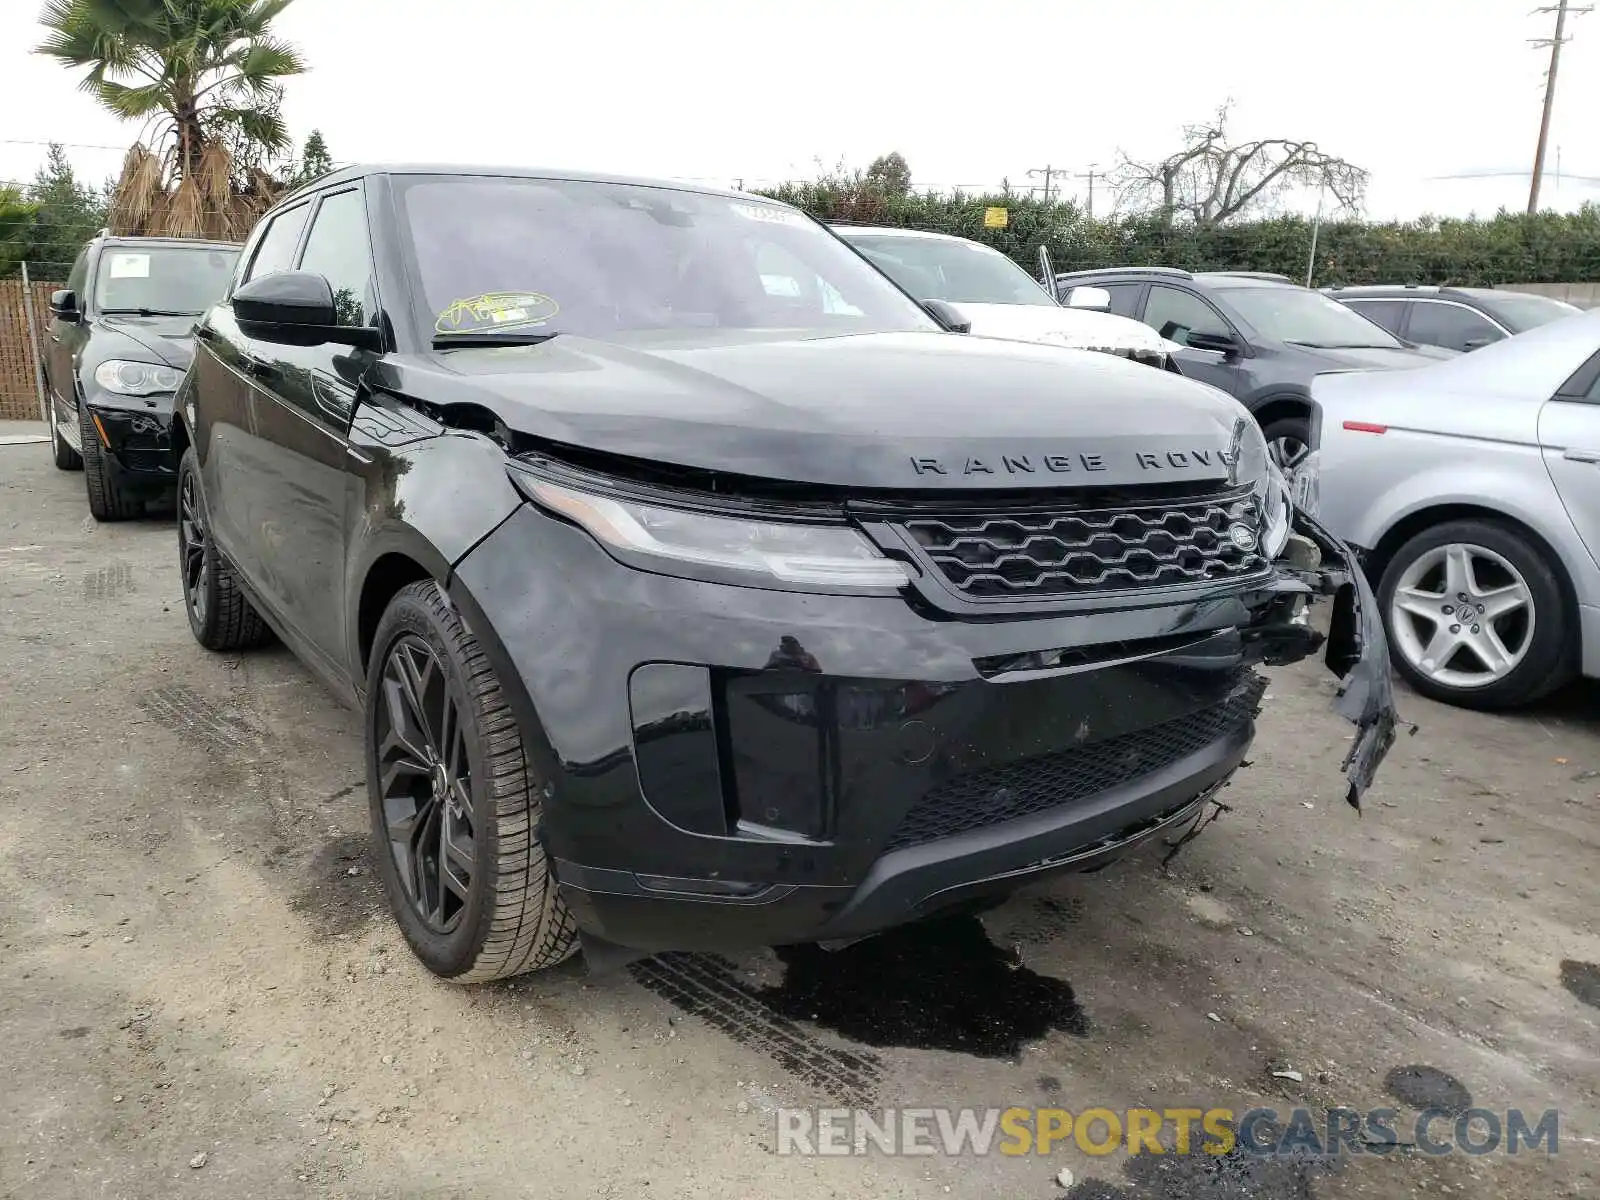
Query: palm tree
204 76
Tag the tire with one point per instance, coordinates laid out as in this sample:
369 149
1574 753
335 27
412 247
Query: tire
466 782
66 458
220 617
1534 628
1285 433
108 499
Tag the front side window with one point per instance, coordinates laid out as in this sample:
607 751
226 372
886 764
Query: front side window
79 276
1450 326
275 251
544 256
162 279
1175 315
960 272
338 249
1302 317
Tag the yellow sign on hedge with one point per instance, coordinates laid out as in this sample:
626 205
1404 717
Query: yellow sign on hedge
994 218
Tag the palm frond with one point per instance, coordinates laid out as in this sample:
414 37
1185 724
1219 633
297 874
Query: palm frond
139 192
131 102
185 214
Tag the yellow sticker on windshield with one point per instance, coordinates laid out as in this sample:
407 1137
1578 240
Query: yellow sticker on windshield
494 311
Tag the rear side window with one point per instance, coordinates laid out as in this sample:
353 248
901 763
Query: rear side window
275 252
1450 326
1124 298
1385 312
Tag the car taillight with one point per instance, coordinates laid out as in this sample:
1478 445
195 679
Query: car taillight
1365 427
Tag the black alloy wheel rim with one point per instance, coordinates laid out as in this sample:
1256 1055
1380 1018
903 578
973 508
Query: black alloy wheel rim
425 784
192 548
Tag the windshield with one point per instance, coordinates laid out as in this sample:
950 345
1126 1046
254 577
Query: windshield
1527 311
1305 318
960 272
497 256
185 280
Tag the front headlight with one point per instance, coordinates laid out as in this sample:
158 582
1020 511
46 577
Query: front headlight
677 541
127 378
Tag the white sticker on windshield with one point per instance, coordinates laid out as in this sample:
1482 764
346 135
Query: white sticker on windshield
770 213
130 266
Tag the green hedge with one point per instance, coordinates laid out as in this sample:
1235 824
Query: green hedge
1506 248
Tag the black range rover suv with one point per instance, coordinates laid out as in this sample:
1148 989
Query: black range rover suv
701 589
118 343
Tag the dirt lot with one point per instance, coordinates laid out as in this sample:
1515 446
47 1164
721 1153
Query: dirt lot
197 961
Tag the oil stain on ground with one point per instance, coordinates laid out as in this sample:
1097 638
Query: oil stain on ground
338 890
939 984
1424 1087
1236 1175
1582 979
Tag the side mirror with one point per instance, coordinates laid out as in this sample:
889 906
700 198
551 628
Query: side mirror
1089 297
64 305
1221 343
296 308
948 315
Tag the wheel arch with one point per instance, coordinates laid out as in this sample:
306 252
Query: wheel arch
391 569
1413 523
1280 405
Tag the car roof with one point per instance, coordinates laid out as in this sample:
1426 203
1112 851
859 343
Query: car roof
1404 291
132 240
361 170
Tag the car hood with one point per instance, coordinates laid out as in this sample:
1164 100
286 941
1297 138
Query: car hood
1375 358
1081 329
892 410
169 339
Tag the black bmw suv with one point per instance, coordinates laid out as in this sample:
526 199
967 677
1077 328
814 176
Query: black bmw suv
700 589
1259 337
1454 318
118 343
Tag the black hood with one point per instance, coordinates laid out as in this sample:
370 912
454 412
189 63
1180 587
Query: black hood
169 339
892 410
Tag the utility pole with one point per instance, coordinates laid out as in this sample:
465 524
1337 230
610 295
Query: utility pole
1561 9
1047 172
1090 176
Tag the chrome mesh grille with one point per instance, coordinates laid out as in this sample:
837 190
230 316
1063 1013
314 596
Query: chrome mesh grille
1026 554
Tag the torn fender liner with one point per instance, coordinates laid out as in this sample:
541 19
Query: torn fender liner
1358 652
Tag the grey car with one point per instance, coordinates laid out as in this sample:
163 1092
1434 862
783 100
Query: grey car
1454 318
1260 338
1473 489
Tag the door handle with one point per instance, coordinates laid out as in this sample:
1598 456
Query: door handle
1583 456
264 371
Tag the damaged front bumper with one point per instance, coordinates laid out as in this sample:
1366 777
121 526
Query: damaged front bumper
1315 562
733 766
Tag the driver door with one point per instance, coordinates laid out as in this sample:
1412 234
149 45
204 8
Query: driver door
303 399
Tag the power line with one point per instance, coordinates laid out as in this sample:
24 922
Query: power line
1561 9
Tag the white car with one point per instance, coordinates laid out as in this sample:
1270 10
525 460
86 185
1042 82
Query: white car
999 297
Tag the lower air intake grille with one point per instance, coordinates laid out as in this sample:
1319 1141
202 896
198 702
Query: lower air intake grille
992 795
1022 555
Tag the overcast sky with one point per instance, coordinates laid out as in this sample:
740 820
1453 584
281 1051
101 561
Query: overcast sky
760 90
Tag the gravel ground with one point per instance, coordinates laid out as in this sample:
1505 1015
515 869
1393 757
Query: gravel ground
204 997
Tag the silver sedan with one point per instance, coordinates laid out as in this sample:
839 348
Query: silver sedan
1472 488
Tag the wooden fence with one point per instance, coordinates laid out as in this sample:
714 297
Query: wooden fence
19 398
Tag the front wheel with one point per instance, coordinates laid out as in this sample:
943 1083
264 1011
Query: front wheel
1288 443
109 500
455 801
1476 616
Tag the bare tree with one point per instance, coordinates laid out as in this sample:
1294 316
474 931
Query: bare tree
1212 179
